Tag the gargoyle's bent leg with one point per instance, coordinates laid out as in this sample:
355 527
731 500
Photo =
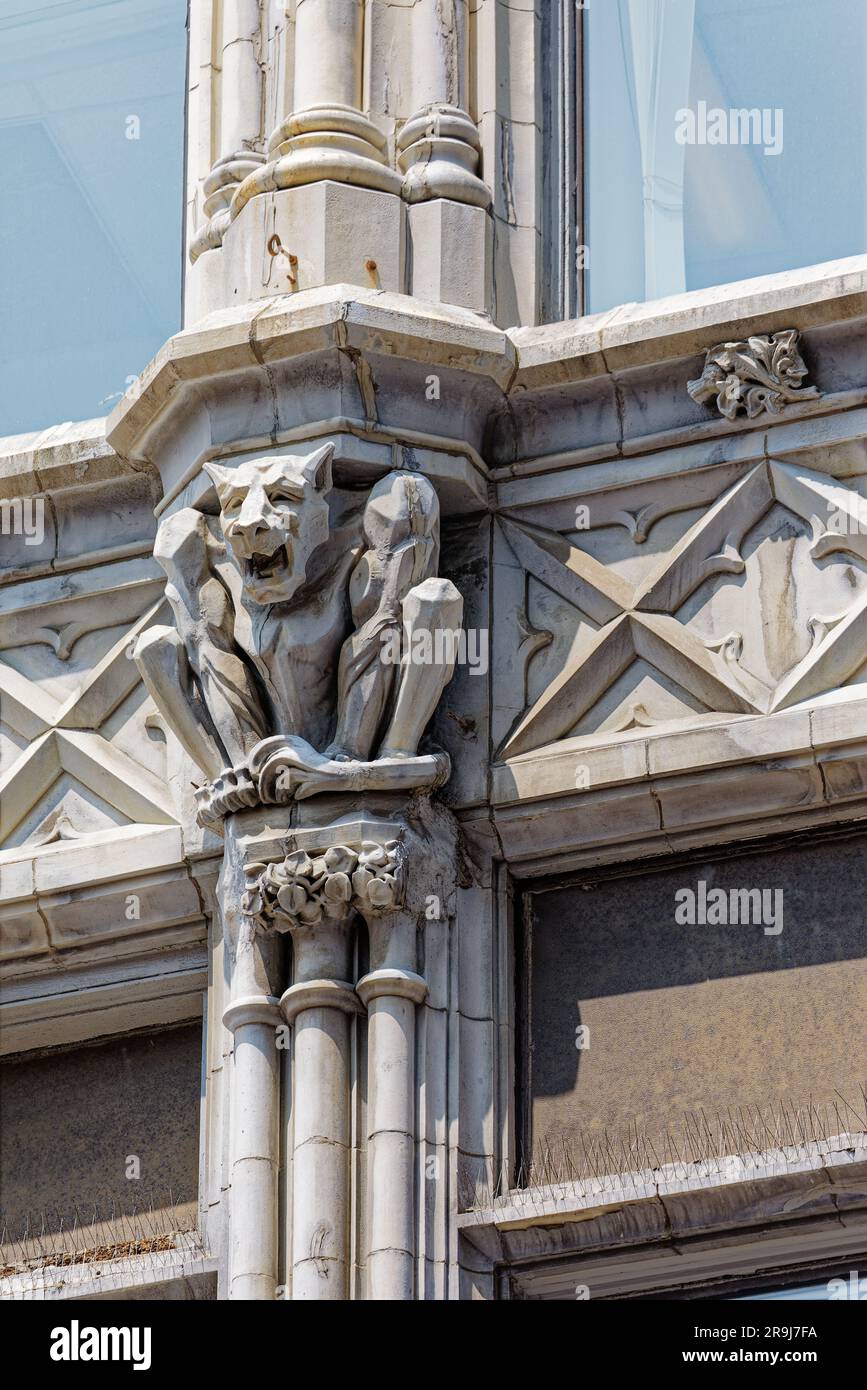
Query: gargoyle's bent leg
364 684
432 616
226 682
165 670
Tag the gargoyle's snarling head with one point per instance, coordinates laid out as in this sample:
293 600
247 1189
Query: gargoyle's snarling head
274 514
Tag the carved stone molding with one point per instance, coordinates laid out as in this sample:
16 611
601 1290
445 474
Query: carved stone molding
392 984
307 873
332 141
219 189
282 770
319 994
439 151
762 373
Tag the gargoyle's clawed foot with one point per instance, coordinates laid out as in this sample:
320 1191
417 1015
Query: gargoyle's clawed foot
233 790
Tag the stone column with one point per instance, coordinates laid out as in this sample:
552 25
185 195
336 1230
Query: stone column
311 893
255 1103
335 212
439 153
239 120
415 870
252 1017
392 990
328 38
326 135
320 1004
381 866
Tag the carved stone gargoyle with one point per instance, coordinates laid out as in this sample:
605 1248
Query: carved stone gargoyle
280 678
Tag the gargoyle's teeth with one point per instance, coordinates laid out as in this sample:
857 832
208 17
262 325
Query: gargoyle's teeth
261 566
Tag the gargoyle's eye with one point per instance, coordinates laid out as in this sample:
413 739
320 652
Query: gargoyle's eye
282 499
233 505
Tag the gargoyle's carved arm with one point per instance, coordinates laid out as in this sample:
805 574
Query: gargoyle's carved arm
196 674
394 593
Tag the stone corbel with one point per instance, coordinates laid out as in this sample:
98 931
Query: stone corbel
312 890
285 768
312 641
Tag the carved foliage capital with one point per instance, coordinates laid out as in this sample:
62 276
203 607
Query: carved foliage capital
308 890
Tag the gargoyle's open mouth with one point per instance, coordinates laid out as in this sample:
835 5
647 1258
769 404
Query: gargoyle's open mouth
267 566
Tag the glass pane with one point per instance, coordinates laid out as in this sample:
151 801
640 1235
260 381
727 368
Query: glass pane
725 139
91 146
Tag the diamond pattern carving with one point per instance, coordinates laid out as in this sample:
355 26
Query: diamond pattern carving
62 736
644 621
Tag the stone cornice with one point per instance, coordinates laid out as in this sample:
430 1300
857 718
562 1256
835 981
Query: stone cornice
633 335
532 398
516 360
777 1208
341 318
69 455
721 780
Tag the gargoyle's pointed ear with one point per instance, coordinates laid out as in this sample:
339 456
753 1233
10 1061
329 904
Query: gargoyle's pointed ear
316 469
221 477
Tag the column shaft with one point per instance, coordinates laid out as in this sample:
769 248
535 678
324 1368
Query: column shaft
321 1150
391 1148
253 1269
320 1004
391 993
252 1016
440 54
241 82
328 36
